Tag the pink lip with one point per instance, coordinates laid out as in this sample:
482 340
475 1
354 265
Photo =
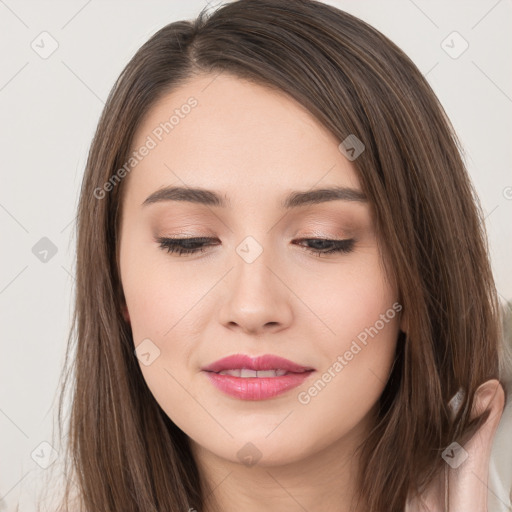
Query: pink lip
256 388
265 362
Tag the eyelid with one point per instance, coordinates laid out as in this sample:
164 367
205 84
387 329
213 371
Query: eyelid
175 245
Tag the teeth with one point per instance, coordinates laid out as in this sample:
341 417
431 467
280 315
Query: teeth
271 373
245 373
234 373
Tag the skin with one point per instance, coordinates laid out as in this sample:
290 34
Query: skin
255 145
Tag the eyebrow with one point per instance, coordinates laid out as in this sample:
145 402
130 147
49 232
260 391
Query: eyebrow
292 200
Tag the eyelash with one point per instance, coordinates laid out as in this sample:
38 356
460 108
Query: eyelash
178 245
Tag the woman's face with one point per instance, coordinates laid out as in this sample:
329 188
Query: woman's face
262 286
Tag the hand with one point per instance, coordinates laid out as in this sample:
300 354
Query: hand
467 484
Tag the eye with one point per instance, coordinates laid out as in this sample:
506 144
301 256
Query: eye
326 246
321 246
184 245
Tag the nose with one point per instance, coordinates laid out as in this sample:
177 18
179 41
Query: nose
257 297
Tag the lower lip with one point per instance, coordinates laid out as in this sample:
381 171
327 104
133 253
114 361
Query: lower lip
257 388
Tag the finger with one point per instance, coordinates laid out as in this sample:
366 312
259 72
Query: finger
468 483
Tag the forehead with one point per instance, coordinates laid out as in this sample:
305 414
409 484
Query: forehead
223 132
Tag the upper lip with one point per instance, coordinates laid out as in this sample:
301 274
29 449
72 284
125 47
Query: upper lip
264 362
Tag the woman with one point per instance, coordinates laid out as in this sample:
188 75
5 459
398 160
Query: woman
284 299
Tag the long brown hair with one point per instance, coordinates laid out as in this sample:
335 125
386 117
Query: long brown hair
124 452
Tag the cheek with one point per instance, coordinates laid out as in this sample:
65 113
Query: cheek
161 312
165 304
350 298
356 371
359 307
158 295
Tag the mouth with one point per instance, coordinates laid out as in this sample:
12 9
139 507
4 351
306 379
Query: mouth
260 378
245 373
260 364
